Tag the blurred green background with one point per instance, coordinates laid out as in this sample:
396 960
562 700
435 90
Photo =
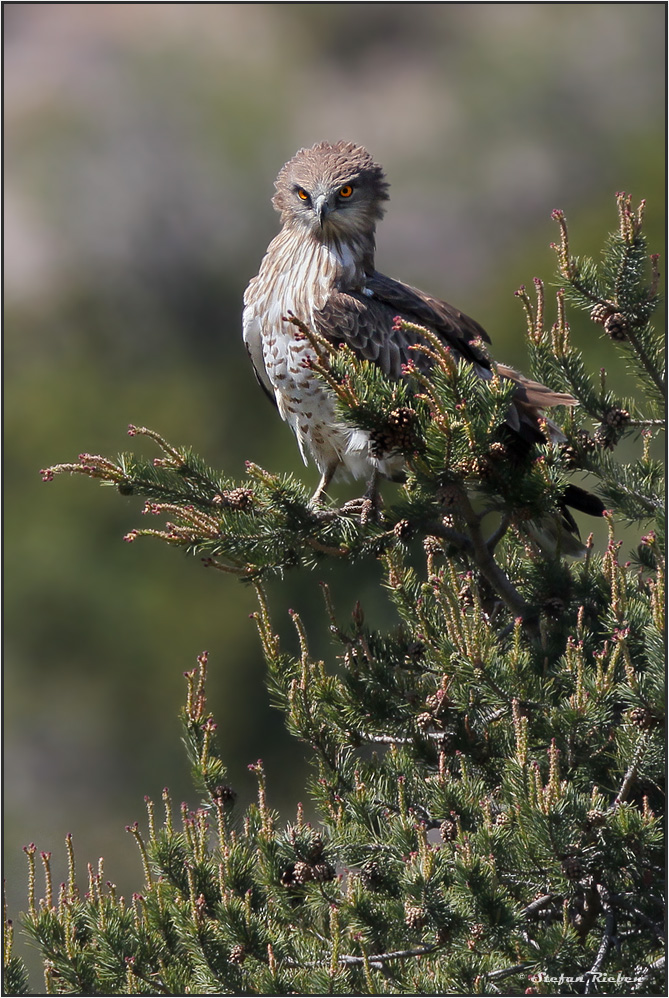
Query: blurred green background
141 143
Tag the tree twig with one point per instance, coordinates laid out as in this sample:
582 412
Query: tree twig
498 975
537 905
608 940
375 959
489 568
630 775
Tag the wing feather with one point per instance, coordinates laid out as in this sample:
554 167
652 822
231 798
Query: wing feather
365 321
253 341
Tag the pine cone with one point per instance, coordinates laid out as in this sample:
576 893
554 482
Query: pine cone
600 313
609 431
616 327
402 529
315 849
449 495
644 718
448 830
585 441
605 437
432 545
403 423
425 721
475 936
476 467
287 878
302 872
617 418
398 433
572 867
237 954
414 916
224 794
235 498
595 819
438 701
322 872
498 450
371 874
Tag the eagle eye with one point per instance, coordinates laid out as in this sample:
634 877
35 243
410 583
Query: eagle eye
345 191
302 194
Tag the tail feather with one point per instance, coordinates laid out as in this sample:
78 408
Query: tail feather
584 502
557 534
555 537
533 392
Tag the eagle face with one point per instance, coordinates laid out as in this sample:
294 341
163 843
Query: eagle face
333 191
331 211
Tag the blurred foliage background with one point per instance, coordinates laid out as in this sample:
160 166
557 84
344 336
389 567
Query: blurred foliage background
141 143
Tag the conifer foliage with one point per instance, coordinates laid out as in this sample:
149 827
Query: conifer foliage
487 774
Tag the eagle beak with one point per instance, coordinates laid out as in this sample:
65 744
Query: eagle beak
322 209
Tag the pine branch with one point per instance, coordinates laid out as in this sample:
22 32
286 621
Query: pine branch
485 770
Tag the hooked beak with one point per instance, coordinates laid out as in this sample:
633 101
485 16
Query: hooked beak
322 209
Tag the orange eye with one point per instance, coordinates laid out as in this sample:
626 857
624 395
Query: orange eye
301 193
345 191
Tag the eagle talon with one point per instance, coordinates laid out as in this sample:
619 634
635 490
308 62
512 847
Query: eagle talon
367 508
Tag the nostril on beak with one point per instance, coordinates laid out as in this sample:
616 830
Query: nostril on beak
322 209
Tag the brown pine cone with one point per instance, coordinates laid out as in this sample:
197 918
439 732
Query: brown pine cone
585 441
414 916
398 434
616 327
448 830
572 867
322 872
371 874
554 607
235 498
425 721
644 718
402 529
617 418
600 313
302 872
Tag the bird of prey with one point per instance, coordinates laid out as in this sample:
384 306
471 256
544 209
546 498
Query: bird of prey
320 268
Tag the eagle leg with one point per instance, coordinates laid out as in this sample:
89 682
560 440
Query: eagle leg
326 478
367 506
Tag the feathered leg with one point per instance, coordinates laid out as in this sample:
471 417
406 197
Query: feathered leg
326 478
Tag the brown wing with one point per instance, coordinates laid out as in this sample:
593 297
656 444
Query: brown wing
364 320
454 326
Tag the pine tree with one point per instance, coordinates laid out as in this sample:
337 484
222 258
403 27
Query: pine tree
487 774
